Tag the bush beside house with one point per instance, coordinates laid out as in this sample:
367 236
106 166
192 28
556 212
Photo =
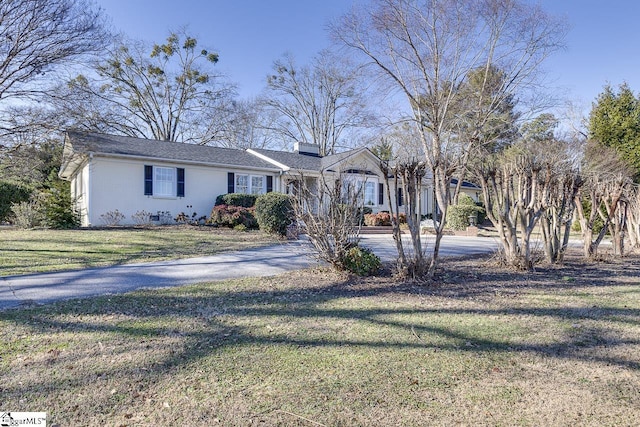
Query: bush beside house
237 217
237 199
274 213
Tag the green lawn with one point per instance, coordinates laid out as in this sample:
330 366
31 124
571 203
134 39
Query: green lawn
35 251
552 348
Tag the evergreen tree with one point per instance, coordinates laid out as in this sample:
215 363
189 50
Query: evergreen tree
615 122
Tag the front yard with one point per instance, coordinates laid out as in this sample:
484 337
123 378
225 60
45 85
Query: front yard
37 251
483 346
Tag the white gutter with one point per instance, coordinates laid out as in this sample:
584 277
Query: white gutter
185 162
89 190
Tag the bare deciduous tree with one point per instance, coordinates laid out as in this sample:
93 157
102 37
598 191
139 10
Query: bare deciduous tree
165 92
319 104
557 219
38 35
427 48
407 177
521 185
633 219
329 207
245 125
38 40
607 180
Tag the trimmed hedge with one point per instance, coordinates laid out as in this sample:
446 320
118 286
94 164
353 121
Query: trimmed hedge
274 213
458 215
233 216
237 199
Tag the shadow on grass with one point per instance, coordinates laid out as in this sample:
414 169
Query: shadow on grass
228 318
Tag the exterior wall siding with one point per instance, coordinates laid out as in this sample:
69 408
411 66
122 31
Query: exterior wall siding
119 184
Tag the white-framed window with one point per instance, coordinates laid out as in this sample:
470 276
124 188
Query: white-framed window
257 184
164 182
369 193
366 189
250 184
242 183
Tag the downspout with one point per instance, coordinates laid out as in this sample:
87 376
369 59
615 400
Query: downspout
89 189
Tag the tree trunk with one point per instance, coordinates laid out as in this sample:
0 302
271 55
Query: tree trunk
441 183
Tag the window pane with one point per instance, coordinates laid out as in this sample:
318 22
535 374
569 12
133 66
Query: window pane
242 183
164 184
369 193
257 184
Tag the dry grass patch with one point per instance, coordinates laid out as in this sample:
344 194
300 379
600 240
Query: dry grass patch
483 347
37 251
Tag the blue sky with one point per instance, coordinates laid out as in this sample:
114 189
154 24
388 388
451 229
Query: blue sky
603 43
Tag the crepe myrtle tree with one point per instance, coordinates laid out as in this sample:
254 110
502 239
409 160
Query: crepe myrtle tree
520 185
633 219
406 182
426 49
608 185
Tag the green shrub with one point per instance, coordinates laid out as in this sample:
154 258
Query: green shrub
237 199
11 194
458 215
274 213
361 261
232 216
58 206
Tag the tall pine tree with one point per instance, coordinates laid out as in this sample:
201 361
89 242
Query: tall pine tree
615 122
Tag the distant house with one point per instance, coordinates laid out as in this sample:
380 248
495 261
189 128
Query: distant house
133 175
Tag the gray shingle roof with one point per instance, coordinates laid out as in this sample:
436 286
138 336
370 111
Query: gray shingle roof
163 150
83 143
466 184
296 161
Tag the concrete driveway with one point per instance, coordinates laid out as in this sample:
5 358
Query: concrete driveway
265 261
48 287
384 246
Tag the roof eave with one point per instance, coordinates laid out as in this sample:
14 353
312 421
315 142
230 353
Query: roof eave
187 162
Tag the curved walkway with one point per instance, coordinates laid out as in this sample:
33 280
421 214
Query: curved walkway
266 261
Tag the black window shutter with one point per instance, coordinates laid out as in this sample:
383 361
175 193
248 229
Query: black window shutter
180 189
400 200
231 182
380 193
269 183
148 180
